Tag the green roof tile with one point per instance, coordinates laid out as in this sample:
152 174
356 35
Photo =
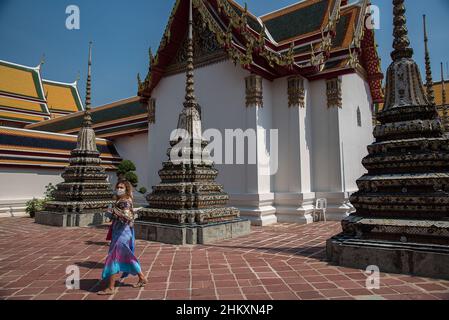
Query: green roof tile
298 22
118 112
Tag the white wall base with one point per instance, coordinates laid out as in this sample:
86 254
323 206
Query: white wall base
261 210
258 208
295 207
13 208
267 209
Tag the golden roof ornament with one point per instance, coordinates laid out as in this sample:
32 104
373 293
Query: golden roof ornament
353 61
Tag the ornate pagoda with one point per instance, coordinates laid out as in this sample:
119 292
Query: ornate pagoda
85 194
402 220
189 207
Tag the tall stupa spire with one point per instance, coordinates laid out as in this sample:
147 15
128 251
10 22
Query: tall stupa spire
87 115
429 80
189 206
89 78
190 117
401 42
190 99
83 197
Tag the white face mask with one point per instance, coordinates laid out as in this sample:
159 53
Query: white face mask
121 192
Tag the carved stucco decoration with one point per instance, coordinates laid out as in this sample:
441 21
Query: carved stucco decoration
205 45
334 93
254 91
151 106
296 92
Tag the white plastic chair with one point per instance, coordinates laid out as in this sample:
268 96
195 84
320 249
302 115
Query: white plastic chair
321 206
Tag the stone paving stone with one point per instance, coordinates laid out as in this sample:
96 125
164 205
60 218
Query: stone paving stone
284 261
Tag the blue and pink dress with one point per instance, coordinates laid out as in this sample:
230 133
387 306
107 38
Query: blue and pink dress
121 256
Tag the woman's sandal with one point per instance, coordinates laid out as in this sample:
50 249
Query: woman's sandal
141 284
107 292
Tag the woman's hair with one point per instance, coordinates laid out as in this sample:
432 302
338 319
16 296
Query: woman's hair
128 187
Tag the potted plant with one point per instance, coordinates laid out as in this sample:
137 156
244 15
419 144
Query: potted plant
36 205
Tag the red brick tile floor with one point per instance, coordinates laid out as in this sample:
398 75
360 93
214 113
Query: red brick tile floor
284 261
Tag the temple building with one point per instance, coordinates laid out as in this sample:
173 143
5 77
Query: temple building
26 98
30 159
310 71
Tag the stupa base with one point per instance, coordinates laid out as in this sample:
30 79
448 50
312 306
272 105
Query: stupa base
66 220
184 234
426 260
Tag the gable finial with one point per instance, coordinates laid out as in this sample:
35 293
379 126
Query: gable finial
151 57
429 81
42 62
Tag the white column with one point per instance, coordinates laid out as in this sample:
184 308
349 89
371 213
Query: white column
257 203
295 202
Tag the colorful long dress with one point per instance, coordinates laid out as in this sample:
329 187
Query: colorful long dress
121 256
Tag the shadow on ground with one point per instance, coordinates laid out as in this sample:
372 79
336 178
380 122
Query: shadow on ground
90 285
97 243
317 252
90 264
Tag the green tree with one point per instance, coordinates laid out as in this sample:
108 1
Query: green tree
126 172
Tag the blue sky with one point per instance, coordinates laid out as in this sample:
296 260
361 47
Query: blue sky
122 32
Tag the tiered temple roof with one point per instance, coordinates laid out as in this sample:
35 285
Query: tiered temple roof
62 98
29 148
26 98
123 117
313 38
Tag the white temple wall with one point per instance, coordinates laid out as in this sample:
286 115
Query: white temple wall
354 138
135 148
339 144
327 172
325 141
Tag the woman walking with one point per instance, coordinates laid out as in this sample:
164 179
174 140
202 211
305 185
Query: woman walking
121 256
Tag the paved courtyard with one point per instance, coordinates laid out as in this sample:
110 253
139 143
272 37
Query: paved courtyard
284 261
